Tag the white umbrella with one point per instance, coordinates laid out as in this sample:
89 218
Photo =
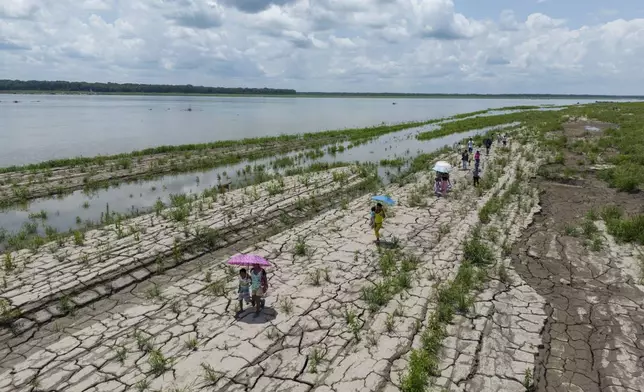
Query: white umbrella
442 167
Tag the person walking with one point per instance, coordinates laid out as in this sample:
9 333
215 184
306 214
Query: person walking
470 145
379 217
476 174
466 158
488 144
477 158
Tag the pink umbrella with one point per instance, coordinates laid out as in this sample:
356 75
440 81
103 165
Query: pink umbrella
246 260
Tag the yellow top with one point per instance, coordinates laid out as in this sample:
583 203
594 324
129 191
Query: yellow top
378 218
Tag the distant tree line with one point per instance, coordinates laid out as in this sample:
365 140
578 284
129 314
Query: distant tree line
44 85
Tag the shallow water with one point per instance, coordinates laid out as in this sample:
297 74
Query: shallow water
62 212
43 127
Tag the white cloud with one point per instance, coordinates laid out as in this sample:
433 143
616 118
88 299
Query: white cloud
342 45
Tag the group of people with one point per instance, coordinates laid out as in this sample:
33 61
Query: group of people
252 288
465 156
253 284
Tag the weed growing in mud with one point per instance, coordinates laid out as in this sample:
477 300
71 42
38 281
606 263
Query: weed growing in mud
142 385
315 358
275 188
159 364
8 263
503 274
210 375
121 354
7 314
316 277
301 249
272 333
286 305
625 229
217 288
209 238
476 252
571 231
528 382
143 342
390 323
79 238
191 343
596 245
65 305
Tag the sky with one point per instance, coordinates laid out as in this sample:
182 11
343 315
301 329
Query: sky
442 46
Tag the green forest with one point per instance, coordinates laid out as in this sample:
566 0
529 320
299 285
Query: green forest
65 87
130 88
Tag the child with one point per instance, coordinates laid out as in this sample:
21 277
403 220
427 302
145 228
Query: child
373 217
244 289
477 157
437 184
377 221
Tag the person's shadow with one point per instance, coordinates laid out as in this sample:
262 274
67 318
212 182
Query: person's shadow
248 315
386 244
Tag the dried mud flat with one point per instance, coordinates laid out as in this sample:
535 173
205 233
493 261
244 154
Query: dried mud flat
156 309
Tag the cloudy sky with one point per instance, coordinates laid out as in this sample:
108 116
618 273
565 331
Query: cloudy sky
485 46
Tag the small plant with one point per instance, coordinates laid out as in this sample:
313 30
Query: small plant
596 245
589 228
159 364
8 262
592 215
390 323
301 249
79 238
492 234
153 292
217 288
7 315
372 340
191 343
143 342
121 354
86 205
571 231
210 375
65 305
142 385
208 277
286 305
315 277
315 357
477 252
527 380
503 274
350 316
272 333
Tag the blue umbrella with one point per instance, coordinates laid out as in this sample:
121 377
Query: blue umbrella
384 199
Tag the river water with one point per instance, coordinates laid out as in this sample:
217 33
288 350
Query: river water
43 127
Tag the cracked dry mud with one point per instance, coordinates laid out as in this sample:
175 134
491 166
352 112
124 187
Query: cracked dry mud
118 255
300 342
176 328
594 334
